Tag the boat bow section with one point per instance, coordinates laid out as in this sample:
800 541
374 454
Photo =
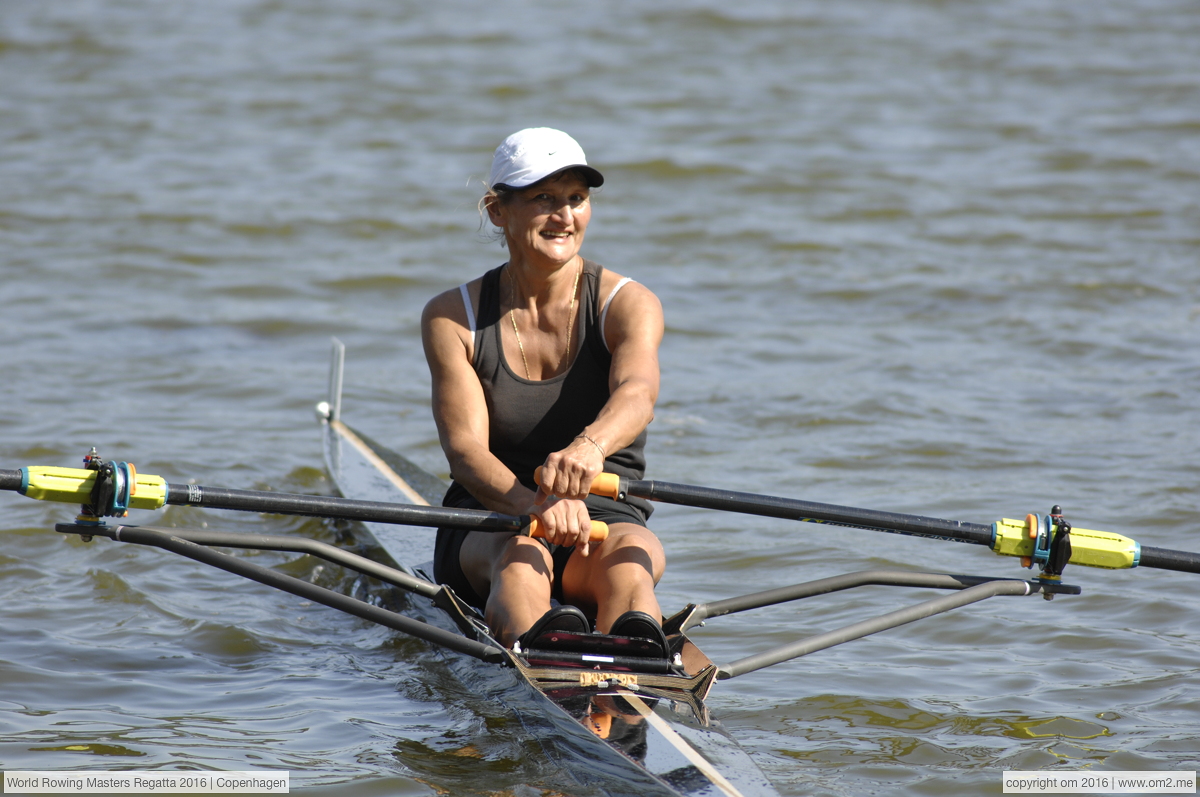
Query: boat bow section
365 470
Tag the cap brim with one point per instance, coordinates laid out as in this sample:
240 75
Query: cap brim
592 177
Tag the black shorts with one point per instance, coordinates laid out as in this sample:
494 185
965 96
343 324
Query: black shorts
447 566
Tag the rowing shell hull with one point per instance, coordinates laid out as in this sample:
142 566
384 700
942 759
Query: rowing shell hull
617 737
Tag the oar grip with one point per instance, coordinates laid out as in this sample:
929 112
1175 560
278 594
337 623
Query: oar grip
599 531
606 484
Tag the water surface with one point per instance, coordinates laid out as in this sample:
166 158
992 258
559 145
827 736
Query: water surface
919 256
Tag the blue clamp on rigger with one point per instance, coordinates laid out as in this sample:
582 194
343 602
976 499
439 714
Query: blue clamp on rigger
1041 545
123 480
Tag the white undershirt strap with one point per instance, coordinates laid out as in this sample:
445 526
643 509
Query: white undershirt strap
607 304
467 304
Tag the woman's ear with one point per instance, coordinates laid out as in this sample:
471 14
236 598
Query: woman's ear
495 211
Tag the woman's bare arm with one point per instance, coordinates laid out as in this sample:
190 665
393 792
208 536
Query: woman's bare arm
633 332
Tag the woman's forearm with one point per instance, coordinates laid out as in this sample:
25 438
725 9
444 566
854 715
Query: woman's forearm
628 412
488 480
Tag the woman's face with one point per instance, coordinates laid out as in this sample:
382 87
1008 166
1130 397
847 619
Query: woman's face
546 221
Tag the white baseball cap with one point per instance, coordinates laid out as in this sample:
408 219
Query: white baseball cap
536 153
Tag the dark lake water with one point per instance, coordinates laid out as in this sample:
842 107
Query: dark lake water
929 257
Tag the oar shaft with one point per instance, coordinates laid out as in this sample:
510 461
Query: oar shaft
75 485
1007 537
10 480
1167 559
343 508
795 509
354 509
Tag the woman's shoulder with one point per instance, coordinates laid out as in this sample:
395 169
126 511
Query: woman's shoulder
450 303
451 306
610 281
628 310
614 286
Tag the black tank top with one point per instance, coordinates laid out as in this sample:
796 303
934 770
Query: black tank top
530 419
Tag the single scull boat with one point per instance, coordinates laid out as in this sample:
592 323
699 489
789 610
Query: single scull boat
639 720
625 720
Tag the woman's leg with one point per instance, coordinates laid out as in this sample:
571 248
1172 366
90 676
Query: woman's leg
618 576
515 573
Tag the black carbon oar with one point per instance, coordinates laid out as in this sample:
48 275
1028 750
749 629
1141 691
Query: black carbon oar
795 509
1036 539
120 488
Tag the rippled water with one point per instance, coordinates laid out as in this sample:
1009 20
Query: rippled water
919 256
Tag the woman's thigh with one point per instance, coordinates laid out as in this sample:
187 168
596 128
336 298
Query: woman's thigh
486 556
630 552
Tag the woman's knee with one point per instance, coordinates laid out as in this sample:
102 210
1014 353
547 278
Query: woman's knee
486 558
525 557
628 544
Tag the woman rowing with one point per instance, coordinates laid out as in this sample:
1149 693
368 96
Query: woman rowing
548 360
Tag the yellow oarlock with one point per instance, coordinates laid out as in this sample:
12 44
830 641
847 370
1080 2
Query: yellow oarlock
1090 548
74 486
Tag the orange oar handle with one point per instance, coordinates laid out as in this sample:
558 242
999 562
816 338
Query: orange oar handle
606 484
599 530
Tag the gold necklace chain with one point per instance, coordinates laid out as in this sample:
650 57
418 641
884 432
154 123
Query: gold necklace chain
570 317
